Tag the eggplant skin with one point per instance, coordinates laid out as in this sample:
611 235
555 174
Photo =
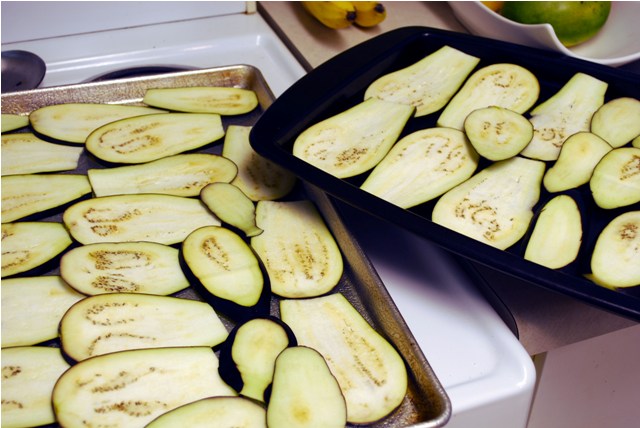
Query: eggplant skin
254 353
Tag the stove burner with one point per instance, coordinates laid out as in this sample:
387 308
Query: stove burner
138 72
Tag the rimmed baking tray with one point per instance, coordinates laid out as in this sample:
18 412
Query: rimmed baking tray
340 83
426 403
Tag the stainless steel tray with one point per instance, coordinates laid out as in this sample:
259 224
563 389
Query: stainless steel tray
426 404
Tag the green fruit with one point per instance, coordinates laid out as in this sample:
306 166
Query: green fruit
573 21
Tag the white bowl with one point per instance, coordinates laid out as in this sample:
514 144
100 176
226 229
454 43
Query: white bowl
617 43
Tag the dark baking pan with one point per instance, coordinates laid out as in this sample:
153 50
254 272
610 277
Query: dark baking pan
340 83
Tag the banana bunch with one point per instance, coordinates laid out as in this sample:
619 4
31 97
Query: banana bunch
342 14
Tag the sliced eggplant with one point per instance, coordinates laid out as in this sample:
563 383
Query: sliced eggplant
579 155
495 206
32 308
567 112
617 121
23 195
73 122
504 85
28 245
164 219
123 267
422 166
355 140
228 270
114 322
178 175
28 376
132 388
224 101
248 356
258 177
150 137
636 142
227 412
11 122
231 206
616 178
370 371
427 84
615 261
498 133
557 235
25 153
297 248
305 393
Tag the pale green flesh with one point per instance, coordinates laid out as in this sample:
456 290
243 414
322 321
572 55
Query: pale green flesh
495 205
355 140
225 265
504 85
74 122
427 84
27 194
236 412
422 166
32 308
163 219
126 267
557 235
151 137
27 245
11 122
203 99
231 206
258 177
616 178
615 261
305 393
617 121
370 372
255 348
567 112
24 153
131 388
297 248
28 376
578 157
115 322
178 175
498 133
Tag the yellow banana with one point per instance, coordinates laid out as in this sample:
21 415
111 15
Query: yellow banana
369 13
333 14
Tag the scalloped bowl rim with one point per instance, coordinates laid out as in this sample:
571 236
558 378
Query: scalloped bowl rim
475 16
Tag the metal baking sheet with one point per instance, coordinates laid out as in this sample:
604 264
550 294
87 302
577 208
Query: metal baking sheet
426 404
340 83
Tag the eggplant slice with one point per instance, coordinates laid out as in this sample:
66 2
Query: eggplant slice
164 219
371 373
305 393
32 308
28 245
29 374
107 323
130 267
227 412
297 248
132 388
223 100
24 195
25 153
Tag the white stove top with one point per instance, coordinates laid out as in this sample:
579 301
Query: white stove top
486 372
